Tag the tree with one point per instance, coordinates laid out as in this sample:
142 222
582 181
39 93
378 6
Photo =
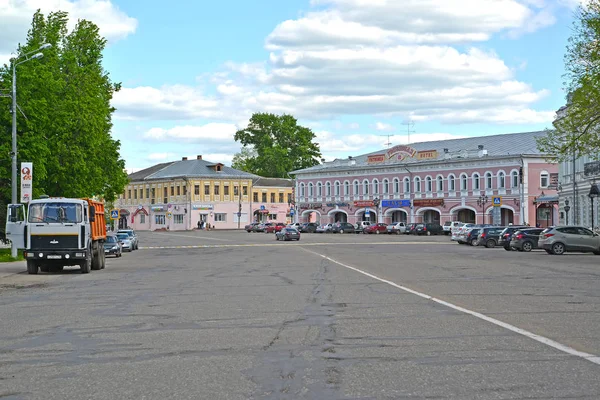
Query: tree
279 143
577 125
66 96
242 159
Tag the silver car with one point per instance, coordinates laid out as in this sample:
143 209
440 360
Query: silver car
125 240
132 236
561 239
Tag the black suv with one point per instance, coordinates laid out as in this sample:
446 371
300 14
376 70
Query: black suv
526 239
507 233
342 227
489 236
428 229
308 227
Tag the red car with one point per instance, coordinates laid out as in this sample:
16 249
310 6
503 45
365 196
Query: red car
376 228
274 228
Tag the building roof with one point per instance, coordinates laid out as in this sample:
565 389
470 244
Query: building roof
515 144
188 169
272 182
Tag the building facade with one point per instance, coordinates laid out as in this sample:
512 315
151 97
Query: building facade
576 177
450 180
186 194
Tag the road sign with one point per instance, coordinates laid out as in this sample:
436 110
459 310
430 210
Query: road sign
292 211
367 212
262 207
169 215
114 214
497 201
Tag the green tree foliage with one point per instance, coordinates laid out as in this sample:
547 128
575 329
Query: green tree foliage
279 144
243 159
577 126
66 97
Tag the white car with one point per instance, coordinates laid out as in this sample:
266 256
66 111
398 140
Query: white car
397 228
325 228
449 226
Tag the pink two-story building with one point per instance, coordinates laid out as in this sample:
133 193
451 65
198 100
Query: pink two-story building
498 179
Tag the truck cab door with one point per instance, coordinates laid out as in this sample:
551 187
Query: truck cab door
15 225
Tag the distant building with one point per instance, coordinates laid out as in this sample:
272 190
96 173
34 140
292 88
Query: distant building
576 177
447 180
179 195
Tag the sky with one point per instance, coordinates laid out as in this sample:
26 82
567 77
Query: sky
362 74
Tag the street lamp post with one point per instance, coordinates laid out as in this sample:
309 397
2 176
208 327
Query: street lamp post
567 209
481 202
594 192
32 55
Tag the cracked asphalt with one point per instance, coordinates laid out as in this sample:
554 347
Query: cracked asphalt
231 315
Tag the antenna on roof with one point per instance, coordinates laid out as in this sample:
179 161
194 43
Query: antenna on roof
388 140
410 124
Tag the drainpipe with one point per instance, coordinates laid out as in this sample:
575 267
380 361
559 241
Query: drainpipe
410 194
522 190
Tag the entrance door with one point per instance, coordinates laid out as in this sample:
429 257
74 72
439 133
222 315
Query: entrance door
15 225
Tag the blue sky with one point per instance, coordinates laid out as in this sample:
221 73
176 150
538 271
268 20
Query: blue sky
193 72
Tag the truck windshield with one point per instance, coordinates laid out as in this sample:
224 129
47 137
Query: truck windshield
55 212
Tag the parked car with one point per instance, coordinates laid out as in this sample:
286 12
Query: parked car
261 227
410 228
561 239
397 228
132 235
376 228
287 234
455 231
295 225
125 240
526 239
250 227
506 235
308 227
428 229
342 227
325 228
448 225
361 225
112 246
274 227
489 236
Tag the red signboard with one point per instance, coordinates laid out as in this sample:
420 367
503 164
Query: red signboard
376 158
365 203
402 151
428 202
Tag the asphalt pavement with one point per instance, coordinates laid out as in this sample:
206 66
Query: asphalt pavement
232 315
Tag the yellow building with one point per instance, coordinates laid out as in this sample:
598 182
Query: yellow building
184 194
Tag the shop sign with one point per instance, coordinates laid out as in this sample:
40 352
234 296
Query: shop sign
202 206
339 204
375 158
428 202
364 203
310 206
401 151
395 203
158 208
427 155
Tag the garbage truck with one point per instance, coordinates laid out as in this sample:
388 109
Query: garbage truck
57 232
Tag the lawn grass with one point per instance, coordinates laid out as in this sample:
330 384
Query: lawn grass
5 256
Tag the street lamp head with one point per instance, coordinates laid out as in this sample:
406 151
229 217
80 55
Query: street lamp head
594 191
46 46
37 56
566 202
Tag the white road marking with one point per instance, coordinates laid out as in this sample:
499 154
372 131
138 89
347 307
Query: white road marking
203 246
541 339
198 237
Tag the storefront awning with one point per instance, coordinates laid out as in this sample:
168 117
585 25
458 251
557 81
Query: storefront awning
261 212
553 199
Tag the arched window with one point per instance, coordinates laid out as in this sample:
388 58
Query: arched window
417 185
386 186
328 189
319 189
406 185
463 182
440 183
501 180
365 187
451 182
488 180
310 190
429 184
337 188
515 179
396 185
476 181
375 186
346 188
356 188
302 190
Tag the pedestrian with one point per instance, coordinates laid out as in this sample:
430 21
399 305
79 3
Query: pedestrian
198 224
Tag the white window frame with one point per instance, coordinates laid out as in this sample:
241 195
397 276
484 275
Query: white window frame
302 190
452 183
365 187
319 189
386 186
311 190
476 181
406 185
220 217
464 182
546 175
501 180
417 184
428 184
440 183
328 189
178 219
488 180
346 188
514 179
356 187
396 185
336 189
375 187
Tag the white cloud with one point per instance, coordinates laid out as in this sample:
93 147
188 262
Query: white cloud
212 132
380 126
16 16
382 58
160 156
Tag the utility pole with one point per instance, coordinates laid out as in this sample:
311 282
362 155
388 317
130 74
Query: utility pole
409 125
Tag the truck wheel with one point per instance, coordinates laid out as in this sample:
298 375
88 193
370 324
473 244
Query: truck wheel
103 256
96 262
87 263
32 267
